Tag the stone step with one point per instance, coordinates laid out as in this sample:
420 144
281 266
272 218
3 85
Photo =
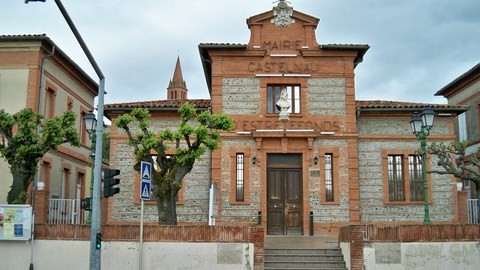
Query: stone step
304 259
315 268
306 264
334 251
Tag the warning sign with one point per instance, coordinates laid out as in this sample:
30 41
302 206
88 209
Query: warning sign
145 190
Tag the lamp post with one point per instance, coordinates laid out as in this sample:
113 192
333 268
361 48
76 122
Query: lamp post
90 125
421 125
96 226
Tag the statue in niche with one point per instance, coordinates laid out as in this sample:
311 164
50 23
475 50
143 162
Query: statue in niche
282 14
283 105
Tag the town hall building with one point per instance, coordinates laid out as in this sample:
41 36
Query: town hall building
304 156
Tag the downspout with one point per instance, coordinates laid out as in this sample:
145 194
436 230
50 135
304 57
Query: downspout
42 80
211 192
35 177
211 152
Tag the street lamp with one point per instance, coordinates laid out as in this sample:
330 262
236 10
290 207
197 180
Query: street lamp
421 125
96 225
90 122
90 125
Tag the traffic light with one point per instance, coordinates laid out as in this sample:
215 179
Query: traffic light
98 241
86 204
109 182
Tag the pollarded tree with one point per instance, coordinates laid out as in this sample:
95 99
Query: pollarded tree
23 147
190 142
454 161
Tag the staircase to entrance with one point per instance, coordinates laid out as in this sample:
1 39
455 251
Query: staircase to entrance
302 253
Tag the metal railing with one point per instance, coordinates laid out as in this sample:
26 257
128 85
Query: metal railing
472 206
65 211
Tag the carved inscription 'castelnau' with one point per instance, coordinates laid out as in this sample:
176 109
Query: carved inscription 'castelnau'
283 67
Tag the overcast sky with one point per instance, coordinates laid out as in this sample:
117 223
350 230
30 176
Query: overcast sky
417 46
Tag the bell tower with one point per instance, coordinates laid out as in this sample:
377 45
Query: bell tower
177 88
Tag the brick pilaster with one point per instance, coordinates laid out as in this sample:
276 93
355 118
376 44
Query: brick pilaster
462 207
105 204
41 206
257 237
356 247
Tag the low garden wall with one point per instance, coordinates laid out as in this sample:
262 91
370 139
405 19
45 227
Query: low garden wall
411 246
164 247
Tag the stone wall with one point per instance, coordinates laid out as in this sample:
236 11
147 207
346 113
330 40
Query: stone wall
372 173
246 211
193 198
74 255
337 211
411 256
326 96
399 127
241 96
410 246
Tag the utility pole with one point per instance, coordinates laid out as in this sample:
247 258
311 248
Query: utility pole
95 226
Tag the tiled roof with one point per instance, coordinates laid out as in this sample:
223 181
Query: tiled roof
174 104
344 46
361 48
226 45
472 71
25 36
166 104
387 104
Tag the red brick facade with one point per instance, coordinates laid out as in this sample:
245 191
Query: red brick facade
244 82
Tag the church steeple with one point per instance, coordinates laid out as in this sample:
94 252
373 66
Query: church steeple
177 88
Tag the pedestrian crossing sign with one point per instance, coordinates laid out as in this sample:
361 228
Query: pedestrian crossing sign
146 171
145 190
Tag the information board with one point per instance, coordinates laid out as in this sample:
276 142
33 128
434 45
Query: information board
15 222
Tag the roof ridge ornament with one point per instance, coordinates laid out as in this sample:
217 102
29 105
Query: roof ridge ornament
282 14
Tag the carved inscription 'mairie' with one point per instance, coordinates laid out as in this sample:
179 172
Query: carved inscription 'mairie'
283 44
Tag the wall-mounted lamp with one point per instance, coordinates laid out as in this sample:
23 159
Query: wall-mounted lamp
315 160
254 160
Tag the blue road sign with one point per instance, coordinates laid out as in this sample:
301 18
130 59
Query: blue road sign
146 171
145 190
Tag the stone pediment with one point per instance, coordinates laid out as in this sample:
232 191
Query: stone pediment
282 31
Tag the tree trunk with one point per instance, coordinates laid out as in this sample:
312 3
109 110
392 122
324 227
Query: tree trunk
19 185
160 210
167 198
172 208
167 208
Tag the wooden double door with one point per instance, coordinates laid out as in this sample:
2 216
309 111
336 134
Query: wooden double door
284 201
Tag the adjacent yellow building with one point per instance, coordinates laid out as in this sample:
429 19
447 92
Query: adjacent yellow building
36 74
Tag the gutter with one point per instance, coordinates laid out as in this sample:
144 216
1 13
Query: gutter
456 110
